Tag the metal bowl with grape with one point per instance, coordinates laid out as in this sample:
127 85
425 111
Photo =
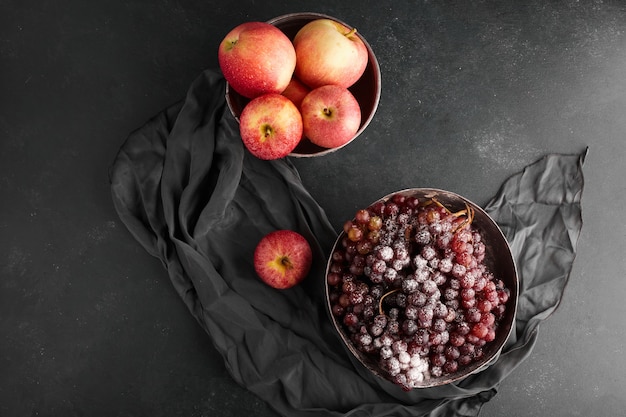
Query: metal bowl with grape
411 300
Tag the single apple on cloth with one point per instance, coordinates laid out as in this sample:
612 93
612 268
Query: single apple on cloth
194 197
283 258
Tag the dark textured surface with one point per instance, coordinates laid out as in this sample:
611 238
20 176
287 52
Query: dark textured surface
472 92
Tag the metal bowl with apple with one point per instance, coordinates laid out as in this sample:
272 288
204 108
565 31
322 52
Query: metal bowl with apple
366 90
454 334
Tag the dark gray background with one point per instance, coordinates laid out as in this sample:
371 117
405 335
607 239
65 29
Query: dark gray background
472 92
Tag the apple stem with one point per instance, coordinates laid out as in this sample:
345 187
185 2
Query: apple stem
231 44
286 262
352 32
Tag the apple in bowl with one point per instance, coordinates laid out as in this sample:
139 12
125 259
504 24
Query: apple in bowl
296 91
257 58
270 126
329 52
331 116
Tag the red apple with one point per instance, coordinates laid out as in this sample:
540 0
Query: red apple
270 126
257 58
331 116
296 91
283 258
328 52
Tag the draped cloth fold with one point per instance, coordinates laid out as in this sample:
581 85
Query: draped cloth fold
192 196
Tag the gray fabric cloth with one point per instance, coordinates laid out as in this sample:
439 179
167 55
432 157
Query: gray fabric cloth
190 193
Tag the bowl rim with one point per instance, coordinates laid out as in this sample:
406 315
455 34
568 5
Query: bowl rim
372 61
512 303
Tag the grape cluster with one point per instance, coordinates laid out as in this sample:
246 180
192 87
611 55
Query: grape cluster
409 286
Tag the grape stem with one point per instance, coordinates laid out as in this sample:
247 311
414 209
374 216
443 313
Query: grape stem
380 302
468 212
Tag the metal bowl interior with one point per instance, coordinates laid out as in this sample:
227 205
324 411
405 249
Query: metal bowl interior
498 259
366 90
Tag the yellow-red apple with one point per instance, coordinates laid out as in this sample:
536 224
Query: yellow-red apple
282 258
270 126
257 58
328 52
296 91
331 116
